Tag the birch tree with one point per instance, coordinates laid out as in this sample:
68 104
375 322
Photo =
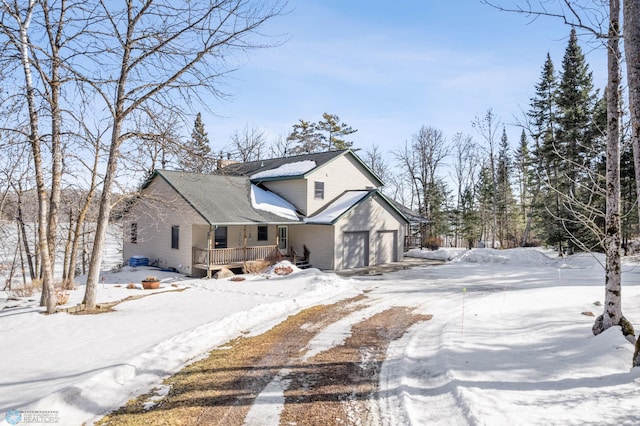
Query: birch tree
631 32
15 24
612 314
612 303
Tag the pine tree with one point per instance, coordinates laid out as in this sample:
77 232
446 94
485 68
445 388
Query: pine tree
524 175
196 156
506 202
575 142
307 138
336 131
575 100
543 128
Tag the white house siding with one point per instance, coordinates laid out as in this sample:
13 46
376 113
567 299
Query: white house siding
292 190
341 174
235 236
386 246
374 216
154 220
319 241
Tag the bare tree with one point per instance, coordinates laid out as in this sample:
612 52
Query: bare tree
466 168
166 51
280 146
248 144
487 126
15 24
422 161
374 158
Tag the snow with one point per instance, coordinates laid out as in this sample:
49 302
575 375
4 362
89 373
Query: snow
270 202
338 207
508 342
296 168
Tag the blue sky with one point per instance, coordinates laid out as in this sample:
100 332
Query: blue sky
388 68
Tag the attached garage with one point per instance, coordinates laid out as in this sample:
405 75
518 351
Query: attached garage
355 249
386 246
368 230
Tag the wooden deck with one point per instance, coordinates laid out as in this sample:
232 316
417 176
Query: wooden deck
216 259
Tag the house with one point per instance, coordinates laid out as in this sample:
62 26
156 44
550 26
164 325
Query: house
325 208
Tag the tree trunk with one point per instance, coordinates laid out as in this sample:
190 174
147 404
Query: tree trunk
34 141
632 56
23 235
80 221
67 253
613 303
104 211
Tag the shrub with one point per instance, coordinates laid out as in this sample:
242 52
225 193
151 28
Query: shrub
255 266
432 243
62 296
27 289
131 286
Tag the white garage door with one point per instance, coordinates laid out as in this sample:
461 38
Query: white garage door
355 250
386 247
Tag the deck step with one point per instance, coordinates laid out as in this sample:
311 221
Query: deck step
303 265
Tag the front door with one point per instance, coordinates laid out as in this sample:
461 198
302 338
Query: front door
221 237
283 239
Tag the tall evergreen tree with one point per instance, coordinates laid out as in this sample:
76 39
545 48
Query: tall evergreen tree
575 142
542 115
506 208
522 164
575 102
196 156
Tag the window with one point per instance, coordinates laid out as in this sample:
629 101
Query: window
175 237
318 193
263 233
134 233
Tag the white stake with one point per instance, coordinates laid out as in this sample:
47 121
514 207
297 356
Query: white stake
464 291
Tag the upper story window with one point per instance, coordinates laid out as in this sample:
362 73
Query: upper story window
175 237
263 233
134 233
318 191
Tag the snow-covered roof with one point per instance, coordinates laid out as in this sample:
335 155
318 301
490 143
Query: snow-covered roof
338 207
290 169
224 200
272 203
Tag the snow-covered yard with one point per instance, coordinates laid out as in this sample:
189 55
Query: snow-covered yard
509 342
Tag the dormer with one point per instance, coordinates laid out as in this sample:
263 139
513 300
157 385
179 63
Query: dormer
310 181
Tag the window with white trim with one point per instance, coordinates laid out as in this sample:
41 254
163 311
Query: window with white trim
318 191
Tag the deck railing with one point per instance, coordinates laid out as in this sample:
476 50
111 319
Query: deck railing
229 256
412 241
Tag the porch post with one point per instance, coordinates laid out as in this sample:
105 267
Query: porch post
244 252
209 244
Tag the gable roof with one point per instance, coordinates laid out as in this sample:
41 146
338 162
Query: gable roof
346 202
294 167
219 200
413 216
